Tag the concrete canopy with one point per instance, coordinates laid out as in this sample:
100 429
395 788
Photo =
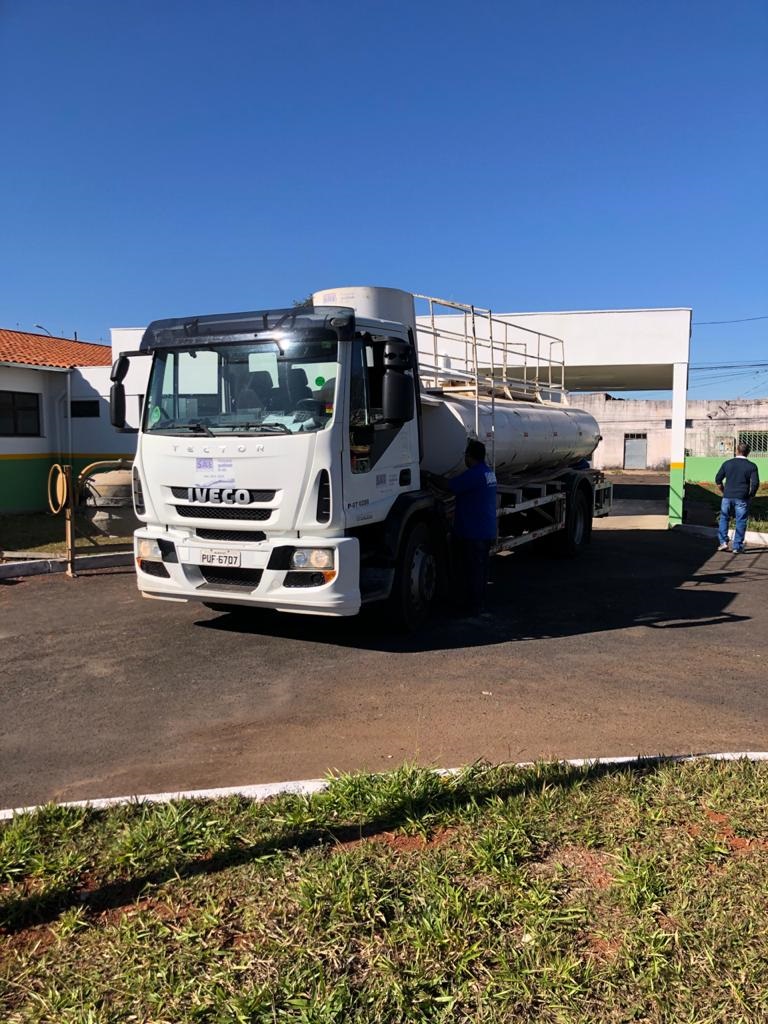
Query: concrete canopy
649 377
616 349
613 350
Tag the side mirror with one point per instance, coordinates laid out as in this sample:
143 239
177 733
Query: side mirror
397 397
117 404
119 369
397 355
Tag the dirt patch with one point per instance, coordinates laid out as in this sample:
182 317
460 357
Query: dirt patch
736 844
34 939
599 947
593 866
401 842
667 923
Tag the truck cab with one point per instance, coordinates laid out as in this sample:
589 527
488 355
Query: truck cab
270 443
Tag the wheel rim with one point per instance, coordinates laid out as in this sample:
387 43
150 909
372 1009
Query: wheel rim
579 523
422 579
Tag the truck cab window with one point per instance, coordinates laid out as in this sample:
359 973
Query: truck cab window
259 387
369 435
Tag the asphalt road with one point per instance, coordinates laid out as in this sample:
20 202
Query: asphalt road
649 642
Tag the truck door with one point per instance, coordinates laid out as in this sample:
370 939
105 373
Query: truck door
380 459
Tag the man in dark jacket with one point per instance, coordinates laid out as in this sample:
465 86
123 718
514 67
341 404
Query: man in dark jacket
474 527
741 483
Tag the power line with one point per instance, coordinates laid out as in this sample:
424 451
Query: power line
709 382
743 320
742 365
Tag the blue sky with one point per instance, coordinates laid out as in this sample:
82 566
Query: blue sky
168 158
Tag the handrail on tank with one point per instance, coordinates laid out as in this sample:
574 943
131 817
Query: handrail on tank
492 353
487 367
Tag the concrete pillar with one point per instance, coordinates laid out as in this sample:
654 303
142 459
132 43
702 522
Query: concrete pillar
677 441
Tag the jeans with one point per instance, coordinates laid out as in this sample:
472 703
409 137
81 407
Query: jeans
738 507
471 563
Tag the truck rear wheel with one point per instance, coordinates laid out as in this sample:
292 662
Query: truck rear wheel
415 586
578 525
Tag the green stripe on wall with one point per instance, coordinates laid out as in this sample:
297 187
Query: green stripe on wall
23 484
701 469
24 479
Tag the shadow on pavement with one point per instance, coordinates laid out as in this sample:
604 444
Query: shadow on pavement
624 579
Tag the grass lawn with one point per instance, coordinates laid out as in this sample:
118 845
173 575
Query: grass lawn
549 894
707 494
43 532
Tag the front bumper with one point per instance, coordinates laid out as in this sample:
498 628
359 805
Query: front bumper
260 585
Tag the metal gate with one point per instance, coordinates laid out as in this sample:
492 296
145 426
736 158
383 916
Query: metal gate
635 451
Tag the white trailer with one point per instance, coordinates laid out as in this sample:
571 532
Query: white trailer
285 457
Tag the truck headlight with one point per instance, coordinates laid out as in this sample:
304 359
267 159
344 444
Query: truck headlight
312 558
148 548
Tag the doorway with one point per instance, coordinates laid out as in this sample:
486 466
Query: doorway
635 451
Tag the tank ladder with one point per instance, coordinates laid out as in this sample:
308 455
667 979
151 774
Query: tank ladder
466 351
465 348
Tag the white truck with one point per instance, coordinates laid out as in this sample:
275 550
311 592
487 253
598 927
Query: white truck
285 457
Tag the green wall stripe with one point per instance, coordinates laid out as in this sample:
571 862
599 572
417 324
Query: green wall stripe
24 482
703 469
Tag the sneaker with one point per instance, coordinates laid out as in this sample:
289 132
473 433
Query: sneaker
723 547
738 551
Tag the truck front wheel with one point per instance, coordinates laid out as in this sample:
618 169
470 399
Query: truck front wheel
415 586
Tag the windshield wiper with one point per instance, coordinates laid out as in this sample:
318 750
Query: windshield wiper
196 428
266 428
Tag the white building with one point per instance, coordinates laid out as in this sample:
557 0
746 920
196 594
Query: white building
53 408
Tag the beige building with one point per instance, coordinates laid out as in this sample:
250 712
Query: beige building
636 431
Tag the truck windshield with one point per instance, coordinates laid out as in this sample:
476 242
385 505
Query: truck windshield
285 386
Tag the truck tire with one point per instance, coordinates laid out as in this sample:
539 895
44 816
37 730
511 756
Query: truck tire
416 578
578 525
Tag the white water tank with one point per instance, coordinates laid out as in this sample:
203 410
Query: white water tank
520 437
372 303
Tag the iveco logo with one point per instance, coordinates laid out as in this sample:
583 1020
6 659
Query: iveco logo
219 495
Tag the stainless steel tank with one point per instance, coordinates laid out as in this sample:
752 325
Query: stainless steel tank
527 437
524 437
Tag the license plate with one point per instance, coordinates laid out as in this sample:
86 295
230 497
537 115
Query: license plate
226 558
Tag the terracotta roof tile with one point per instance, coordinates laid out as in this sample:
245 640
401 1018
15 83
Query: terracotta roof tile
42 350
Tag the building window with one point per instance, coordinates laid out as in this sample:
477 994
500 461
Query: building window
80 408
19 414
668 424
756 439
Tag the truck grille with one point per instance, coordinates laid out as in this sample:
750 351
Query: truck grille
246 536
248 578
223 512
183 493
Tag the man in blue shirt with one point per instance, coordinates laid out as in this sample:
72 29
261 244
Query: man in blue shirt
474 525
741 483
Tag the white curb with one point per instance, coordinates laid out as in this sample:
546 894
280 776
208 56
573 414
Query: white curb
305 787
41 566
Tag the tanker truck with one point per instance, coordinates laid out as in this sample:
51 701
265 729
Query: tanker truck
287 458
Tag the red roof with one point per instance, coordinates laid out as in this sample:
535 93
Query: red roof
42 350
